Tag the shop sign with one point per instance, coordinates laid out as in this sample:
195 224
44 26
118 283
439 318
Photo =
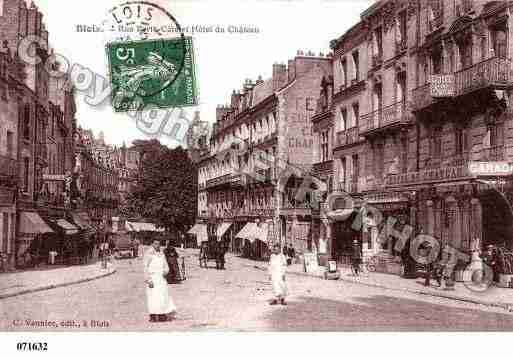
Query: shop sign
442 85
429 176
47 177
490 168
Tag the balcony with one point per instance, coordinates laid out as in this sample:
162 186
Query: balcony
494 72
348 137
395 114
341 186
323 167
219 181
8 167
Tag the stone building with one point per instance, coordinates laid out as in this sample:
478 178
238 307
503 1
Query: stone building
96 179
411 117
11 76
260 150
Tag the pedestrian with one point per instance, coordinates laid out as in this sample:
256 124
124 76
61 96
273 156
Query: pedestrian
160 304
172 261
291 255
490 259
277 270
220 253
356 257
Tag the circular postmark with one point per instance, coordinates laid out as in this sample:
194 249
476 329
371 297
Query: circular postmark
147 52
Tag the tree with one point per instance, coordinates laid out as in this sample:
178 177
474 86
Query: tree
165 192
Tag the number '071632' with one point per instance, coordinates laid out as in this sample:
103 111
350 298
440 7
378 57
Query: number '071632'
26 346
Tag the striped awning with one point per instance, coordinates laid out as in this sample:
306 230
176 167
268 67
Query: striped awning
141 226
246 230
200 231
222 228
258 231
32 223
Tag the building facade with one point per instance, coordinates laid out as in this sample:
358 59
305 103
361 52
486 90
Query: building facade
260 149
11 71
420 94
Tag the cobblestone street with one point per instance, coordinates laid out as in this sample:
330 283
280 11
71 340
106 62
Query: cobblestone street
237 299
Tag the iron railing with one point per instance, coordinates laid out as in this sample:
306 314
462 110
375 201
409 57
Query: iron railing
395 113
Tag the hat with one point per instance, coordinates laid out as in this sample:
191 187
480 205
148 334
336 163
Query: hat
490 246
355 241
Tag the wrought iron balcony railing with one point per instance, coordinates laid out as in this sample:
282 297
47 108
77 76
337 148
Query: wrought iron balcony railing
348 137
396 113
494 72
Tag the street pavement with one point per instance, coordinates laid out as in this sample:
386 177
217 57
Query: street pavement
236 299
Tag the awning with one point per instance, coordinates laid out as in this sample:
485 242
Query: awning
142 226
246 230
66 226
221 230
82 220
32 223
200 231
258 231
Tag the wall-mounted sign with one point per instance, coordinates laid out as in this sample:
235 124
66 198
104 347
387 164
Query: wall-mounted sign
442 85
491 168
430 176
47 177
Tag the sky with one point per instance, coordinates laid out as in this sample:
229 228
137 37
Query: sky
223 60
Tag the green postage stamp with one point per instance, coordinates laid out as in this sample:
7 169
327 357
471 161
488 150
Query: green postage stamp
158 72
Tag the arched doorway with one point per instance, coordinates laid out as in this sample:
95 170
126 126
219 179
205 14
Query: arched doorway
497 219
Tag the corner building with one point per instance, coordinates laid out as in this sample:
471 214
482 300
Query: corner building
260 149
420 92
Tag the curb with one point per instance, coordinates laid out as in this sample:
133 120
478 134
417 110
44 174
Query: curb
53 286
501 305
505 306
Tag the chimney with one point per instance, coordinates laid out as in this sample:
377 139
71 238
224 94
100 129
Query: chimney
220 112
280 76
235 99
292 70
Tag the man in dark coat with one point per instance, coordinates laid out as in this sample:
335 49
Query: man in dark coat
173 276
356 257
220 252
290 255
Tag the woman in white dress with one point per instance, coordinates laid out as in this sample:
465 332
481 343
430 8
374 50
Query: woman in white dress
160 304
277 270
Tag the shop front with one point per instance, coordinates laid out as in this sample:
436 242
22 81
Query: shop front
32 232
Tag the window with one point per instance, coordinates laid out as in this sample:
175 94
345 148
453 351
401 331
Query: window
10 144
324 145
356 168
379 42
436 61
356 64
436 139
461 141
465 49
356 114
402 27
499 41
343 173
26 122
344 72
343 118
26 168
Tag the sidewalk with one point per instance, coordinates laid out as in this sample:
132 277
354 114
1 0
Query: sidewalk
18 283
493 296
